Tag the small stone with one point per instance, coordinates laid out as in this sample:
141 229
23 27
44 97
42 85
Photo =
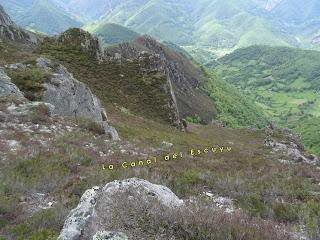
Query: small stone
104 235
167 144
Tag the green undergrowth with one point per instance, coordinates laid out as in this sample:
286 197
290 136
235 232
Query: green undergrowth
30 81
235 109
309 128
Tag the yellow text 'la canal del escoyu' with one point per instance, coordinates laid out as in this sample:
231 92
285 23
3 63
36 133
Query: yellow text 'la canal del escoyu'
168 157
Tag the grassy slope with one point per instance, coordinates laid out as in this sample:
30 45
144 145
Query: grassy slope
235 110
285 82
250 173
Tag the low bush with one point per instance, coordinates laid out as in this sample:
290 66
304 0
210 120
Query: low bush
30 81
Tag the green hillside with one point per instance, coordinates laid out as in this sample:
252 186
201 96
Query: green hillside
309 128
235 109
285 82
111 33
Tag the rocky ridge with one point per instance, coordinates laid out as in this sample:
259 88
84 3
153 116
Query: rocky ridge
9 30
79 37
184 80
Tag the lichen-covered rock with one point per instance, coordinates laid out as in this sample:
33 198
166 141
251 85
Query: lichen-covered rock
7 88
101 209
73 98
104 235
27 107
17 66
44 63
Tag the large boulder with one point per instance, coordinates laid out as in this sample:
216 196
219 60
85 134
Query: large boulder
73 98
112 208
7 88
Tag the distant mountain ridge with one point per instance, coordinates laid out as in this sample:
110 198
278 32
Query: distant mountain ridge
40 15
206 23
217 23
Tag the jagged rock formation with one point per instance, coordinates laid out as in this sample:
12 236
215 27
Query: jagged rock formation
10 31
184 80
7 88
100 209
73 98
79 37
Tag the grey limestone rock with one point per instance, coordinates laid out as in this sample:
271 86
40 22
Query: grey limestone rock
73 98
7 88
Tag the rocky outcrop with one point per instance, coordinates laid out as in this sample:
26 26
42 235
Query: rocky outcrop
288 143
101 209
73 98
184 79
10 31
7 88
79 37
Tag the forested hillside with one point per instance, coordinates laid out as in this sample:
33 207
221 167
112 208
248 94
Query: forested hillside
285 82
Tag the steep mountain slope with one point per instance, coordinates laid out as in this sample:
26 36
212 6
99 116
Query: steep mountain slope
10 31
40 15
284 81
165 83
185 79
111 33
